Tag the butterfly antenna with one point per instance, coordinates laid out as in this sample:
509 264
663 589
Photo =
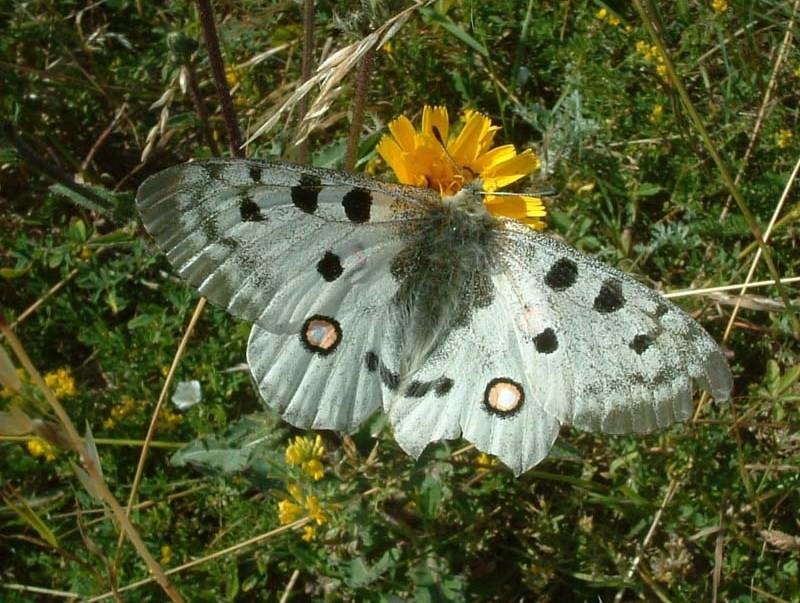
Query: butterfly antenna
465 172
461 170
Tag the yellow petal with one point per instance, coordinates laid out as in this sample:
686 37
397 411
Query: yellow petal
466 146
396 159
503 174
403 131
493 157
435 117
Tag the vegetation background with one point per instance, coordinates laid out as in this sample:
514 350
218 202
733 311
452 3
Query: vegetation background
95 96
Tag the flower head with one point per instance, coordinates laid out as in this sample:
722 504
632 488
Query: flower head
41 448
292 508
308 455
433 158
61 382
784 138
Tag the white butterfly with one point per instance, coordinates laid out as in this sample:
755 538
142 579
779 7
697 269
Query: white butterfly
366 294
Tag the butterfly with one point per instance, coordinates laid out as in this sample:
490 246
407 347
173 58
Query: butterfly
368 295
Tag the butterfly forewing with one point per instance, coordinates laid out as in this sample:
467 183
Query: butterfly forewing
259 238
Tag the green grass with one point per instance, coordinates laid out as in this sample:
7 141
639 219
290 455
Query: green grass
639 186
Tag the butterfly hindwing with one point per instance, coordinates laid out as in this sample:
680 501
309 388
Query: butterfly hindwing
475 385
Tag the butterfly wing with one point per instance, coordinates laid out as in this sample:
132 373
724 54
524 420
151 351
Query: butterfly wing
303 253
264 240
605 352
475 384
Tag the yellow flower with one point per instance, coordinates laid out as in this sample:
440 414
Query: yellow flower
61 382
604 15
719 6
657 113
292 510
307 454
651 54
485 462
431 158
38 447
231 76
315 509
309 532
784 138
166 554
288 511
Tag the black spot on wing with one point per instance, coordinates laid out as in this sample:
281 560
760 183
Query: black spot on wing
255 173
330 266
546 342
374 364
661 310
229 242
610 298
419 389
640 343
443 386
250 211
357 205
561 275
304 195
371 361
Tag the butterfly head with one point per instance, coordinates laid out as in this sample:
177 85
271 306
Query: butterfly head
469 200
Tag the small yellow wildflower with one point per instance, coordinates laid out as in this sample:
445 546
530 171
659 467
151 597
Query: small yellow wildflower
657 113
651 54
168 419
431 158
309 533
604 15
292 510
315 509
38 447
796 71
784 138
307 454
485 462
166 555
719 6
231 76
288 511
61 382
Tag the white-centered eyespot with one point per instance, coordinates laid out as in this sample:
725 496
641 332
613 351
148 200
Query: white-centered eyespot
321 334
503 397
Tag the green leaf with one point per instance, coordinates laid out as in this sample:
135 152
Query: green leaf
454 29
26 513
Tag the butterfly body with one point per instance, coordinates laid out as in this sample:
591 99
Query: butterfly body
455 322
